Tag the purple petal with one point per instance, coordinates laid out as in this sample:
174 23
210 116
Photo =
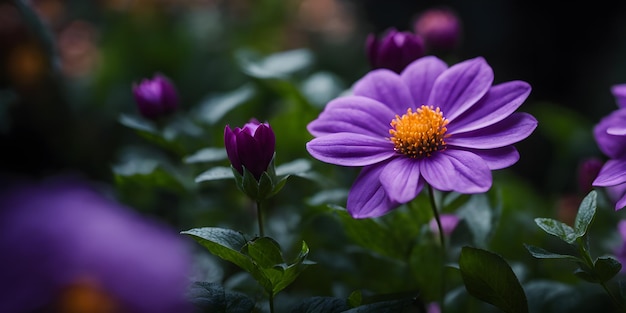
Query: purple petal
497 158
248 149
401 179
350 149
499 102
612 173
387 87
461 86
609 143
354 114
264 135
456 170
420 77
514 128
621 203
230 142
619 92
367 197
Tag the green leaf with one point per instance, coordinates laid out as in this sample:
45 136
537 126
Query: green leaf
556 228
214 107
488 277
372 234
480 217
355 298
321 87
206 155
606 268
224 243
211 297
139 124
426 263
585 215
265 252
544 254
279 65
295 167
291 272
265 187
215 173
321 305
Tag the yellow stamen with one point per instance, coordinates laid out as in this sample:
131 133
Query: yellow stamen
420 133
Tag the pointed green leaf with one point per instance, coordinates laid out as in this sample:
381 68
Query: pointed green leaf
488 277
214 107
544 254
295 167
216 173
585 215
556 228
249 184
224 243
606 268
206 155
279 65
139 124
586 275
288 274
265 187
265 252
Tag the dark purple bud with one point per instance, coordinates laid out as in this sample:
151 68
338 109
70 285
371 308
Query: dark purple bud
395 51
587 172
155 97
440 28
251 146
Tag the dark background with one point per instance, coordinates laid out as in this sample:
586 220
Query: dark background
570 53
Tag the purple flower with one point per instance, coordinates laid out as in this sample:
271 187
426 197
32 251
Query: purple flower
445 126
155 97
251 146
395 51
440 28
61 241
610 135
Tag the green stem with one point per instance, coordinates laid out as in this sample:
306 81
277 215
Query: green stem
271 303
260 220
433 205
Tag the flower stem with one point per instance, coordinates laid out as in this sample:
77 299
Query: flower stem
271 303
260 220
433 205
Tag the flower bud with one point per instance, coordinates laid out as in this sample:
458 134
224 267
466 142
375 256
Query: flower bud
251 146
155 97
619 92
587 172
448 223
395 51
440 28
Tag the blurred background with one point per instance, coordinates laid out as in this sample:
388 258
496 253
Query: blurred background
64 83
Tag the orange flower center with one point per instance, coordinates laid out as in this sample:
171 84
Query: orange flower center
420 133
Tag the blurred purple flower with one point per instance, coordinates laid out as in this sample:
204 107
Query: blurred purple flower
251 146
610 135
395 51
445 126
448 223
64 246
155 97
619 92
440 28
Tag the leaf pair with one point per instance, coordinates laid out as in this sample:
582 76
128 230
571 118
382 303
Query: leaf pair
261 257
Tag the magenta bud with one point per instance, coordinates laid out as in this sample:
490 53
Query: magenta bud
440 28
155 97
395 51
251 146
